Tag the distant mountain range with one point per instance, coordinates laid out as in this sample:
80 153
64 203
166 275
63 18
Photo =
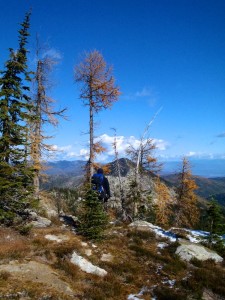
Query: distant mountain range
207 168
207 187
70 174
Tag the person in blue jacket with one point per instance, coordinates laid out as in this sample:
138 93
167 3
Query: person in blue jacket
101 185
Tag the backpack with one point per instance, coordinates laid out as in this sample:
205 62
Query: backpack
97 185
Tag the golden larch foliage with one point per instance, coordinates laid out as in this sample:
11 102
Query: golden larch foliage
187 212
163 207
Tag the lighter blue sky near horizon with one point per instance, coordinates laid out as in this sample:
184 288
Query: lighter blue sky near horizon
165 53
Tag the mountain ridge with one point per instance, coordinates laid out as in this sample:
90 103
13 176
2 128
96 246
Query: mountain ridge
69 174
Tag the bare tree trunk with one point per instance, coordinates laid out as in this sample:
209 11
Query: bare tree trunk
139 158
5 134
122 198
37 131
91 124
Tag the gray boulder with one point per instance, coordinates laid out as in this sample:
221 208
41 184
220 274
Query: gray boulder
87 266
188 251
41 222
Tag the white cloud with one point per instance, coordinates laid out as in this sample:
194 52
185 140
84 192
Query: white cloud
53 53
124 142
204 155
145 92
61 148
192 153
76 152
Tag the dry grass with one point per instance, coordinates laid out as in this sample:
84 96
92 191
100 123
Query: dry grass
209 275
134 264
4 275
30 290
13 245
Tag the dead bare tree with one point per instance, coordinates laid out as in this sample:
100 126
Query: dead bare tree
125 215
44 113
143 157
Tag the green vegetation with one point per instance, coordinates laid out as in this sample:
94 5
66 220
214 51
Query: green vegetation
15 173
93 218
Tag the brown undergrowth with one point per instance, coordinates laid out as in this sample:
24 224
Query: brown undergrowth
137 265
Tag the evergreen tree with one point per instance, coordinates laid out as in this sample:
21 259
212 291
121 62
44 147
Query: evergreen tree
15 107
214 221
93 218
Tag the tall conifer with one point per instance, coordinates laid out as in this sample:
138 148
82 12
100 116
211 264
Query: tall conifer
15 107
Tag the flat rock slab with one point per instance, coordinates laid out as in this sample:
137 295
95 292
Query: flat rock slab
56 238
41 222
188 250
87 266
37 272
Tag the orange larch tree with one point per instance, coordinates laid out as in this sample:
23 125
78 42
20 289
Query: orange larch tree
163 206
98 91
186 211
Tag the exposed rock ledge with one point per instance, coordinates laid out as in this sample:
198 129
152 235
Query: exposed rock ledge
37 272
188 250
87 266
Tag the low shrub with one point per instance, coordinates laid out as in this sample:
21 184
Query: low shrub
209 276
4 275
141 234
166 293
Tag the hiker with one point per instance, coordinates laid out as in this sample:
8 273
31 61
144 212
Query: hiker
101 184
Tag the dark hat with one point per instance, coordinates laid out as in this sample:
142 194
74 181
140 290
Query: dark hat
100 171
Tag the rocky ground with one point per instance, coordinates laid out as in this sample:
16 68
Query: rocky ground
135 261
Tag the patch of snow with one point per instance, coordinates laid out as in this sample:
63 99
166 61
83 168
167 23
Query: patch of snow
136 296
133 297
169 282
164 233
198 233
193 239
87 266
196 236
162 245
158 230
94 246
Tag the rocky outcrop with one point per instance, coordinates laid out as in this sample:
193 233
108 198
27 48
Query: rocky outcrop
56 238
37 272
188 251
87 266
146 226
41 222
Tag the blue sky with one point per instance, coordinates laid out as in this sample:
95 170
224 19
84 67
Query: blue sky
165 53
